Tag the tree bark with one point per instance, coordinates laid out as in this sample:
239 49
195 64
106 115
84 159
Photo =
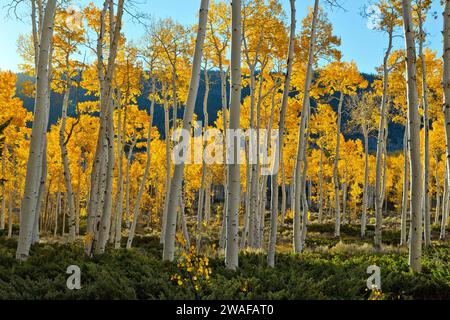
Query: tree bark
405 197
301 149
66 168
175 184
281 125
39 130
415 243
336 183
379 194
234 179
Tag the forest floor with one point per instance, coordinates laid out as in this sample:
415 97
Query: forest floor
329 268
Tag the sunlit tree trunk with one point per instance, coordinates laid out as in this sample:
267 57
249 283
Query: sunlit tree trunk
127 182
168 169
405 196
415 242
201 193
3 205
379 194
336 183
366 184
175 184
445 206
426 144
283 192
57 205
446 84
234 179
301 149
281 125
12 201
438 195
100 203
119 196
105 222
39 129
66 168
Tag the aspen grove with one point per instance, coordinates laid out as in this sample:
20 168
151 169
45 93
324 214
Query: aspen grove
250 137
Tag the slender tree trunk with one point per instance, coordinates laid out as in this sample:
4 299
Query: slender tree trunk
444 205
3 205
39 130
438 196
105 222
119 197
100 202
66 168
201 193
301 149
379 194
168 169
175 184
58 204
336 183
366 184
404 219
283 192
415 243
281 125
426 145
446 109
320 215
234 179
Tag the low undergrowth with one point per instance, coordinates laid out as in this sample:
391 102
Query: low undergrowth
338 272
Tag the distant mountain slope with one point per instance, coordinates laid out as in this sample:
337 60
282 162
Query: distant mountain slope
214 105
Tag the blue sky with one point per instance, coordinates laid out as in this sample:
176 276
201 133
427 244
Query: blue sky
359 43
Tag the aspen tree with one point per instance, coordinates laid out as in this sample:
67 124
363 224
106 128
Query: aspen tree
231 256
281 125
302 129
35 158
387 24
422 7
363 114
415 242
405 196
175 183
446 108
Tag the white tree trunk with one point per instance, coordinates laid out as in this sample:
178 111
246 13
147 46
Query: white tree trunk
405 196
281 125
366 185
3 205
234 179
438 195
175 184
426 143
201 193
446 84
336 183
119 196
39 131
415 243
65 161
301 149
379 194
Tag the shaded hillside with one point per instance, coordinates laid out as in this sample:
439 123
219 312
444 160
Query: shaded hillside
214 105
